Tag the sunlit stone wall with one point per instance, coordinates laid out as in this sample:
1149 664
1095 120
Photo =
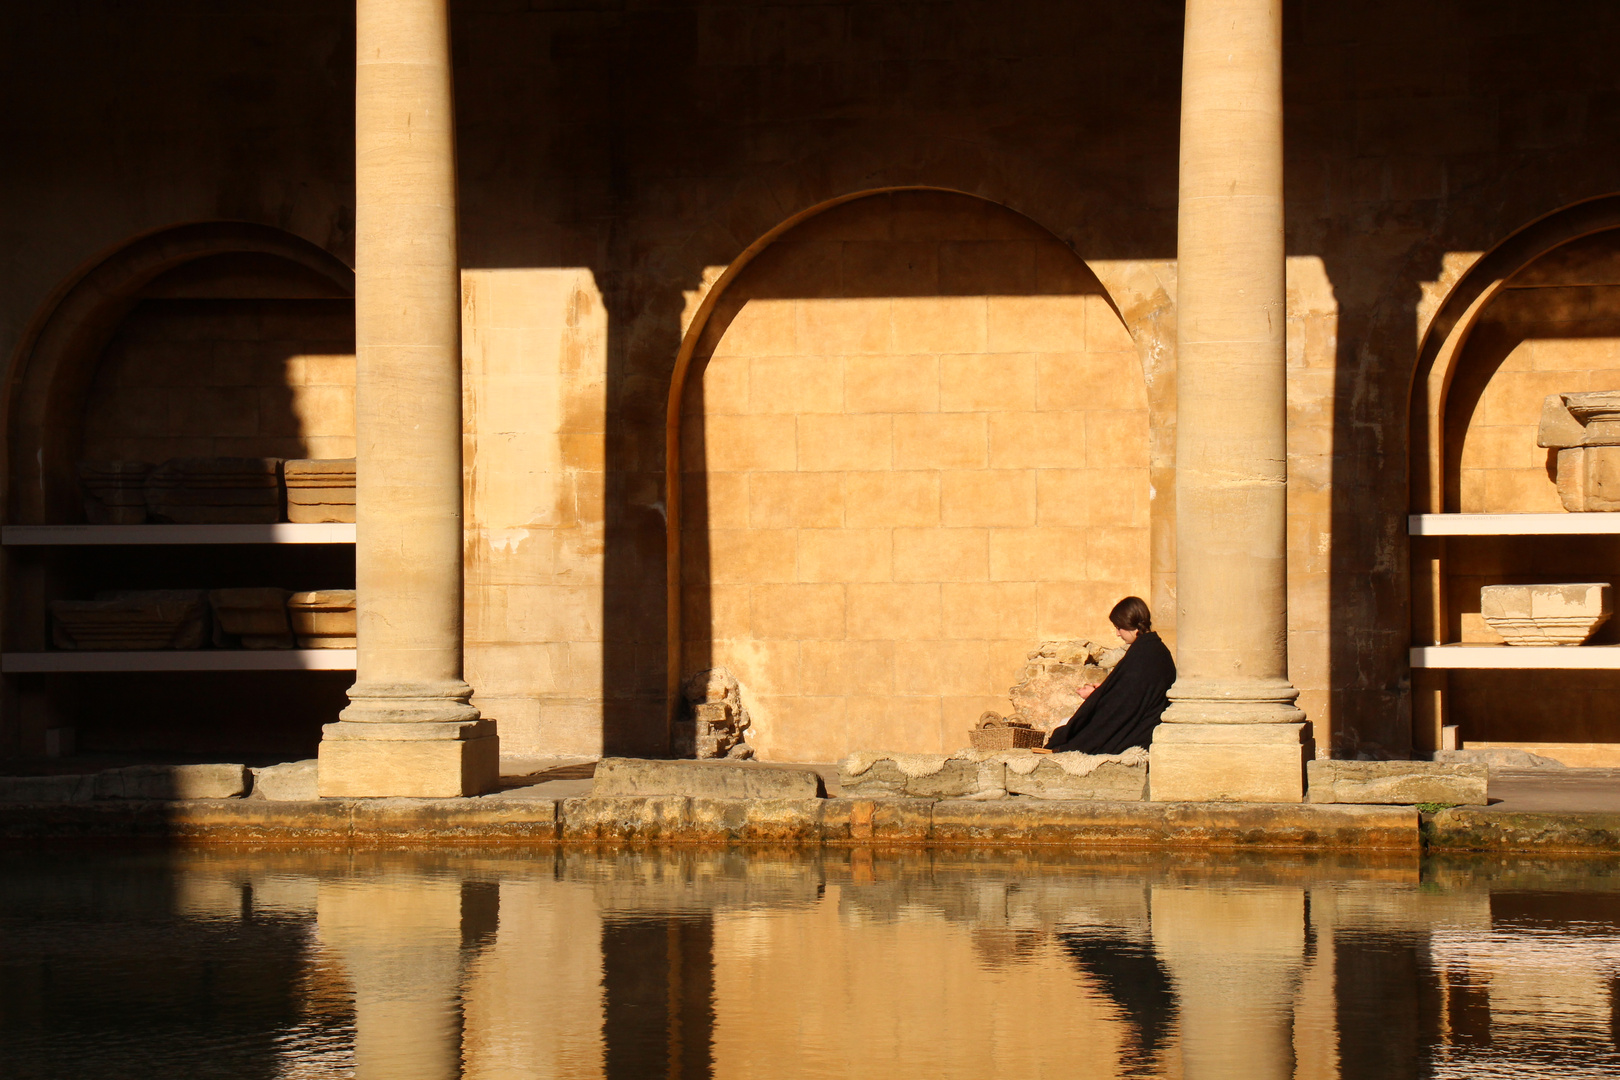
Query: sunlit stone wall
914 445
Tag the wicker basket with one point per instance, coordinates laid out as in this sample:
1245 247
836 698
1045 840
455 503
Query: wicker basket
1006 738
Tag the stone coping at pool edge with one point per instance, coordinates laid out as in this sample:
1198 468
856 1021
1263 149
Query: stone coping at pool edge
685 820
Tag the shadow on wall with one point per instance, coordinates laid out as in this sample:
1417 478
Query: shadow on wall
205 341
913 443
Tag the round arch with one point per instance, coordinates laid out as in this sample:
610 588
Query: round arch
1446 338
51 370
1132 290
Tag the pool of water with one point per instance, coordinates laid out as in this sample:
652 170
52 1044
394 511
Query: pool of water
814 964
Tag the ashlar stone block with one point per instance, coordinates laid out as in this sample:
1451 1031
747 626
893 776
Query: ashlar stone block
1263 763
625 777
1397 783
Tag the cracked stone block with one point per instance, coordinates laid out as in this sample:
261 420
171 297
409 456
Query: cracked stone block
1396 783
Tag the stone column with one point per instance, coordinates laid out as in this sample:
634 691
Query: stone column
1235 957
399 938
1232 731
409 729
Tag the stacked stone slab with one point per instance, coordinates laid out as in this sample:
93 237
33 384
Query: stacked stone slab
114 491
1397 783
713 722
256 618
215 491
1585 430
128 621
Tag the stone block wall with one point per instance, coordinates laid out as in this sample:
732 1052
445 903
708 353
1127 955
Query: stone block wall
534 352
231 378
914 444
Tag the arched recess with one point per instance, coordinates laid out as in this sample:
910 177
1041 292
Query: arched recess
50 375
920 254
1538 314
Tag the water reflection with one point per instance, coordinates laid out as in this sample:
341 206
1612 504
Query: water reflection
431 965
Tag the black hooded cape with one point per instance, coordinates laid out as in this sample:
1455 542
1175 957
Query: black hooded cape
1123 711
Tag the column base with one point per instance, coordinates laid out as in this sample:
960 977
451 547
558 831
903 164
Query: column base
1263 763
369 761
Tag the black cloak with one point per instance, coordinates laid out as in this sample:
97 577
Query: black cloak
1123 711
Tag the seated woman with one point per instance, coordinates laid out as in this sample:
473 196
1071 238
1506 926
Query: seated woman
1122 711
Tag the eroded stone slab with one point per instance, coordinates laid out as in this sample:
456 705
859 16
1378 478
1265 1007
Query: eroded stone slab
1109 781
291 781
173 782
994 774
1396 783
628 777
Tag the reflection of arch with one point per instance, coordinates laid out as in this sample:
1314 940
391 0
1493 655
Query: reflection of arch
51 371
1447 336
1132 286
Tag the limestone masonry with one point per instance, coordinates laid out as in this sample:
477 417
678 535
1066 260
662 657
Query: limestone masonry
703 381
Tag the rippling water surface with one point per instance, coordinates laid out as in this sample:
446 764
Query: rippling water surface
683 964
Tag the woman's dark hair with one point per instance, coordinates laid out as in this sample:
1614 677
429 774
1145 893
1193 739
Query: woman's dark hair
1131 614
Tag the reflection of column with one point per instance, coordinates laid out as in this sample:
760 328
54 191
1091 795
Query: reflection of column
658 997
409 729
1235 958
400 940
1232 730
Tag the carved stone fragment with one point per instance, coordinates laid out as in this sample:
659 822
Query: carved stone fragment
320 490
215 491
127 621
114 491
1546 614
323 619
258 617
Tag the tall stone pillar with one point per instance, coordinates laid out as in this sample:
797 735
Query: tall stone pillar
409 729
1232 731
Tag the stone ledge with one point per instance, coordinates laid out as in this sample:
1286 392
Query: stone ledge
1523 832
1398 783
682 819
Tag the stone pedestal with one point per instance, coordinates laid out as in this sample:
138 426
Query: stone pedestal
409 728
1245 739
1230 762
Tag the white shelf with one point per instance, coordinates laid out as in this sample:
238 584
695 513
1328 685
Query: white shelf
1520 657
182 660
283 533
1512 524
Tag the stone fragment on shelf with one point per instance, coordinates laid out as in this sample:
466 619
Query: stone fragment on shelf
127 621
1546 614
114 491
320 490
323 618
215 491
258 617
1585 430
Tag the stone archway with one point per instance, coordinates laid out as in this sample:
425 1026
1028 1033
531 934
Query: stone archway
908 440
51 373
